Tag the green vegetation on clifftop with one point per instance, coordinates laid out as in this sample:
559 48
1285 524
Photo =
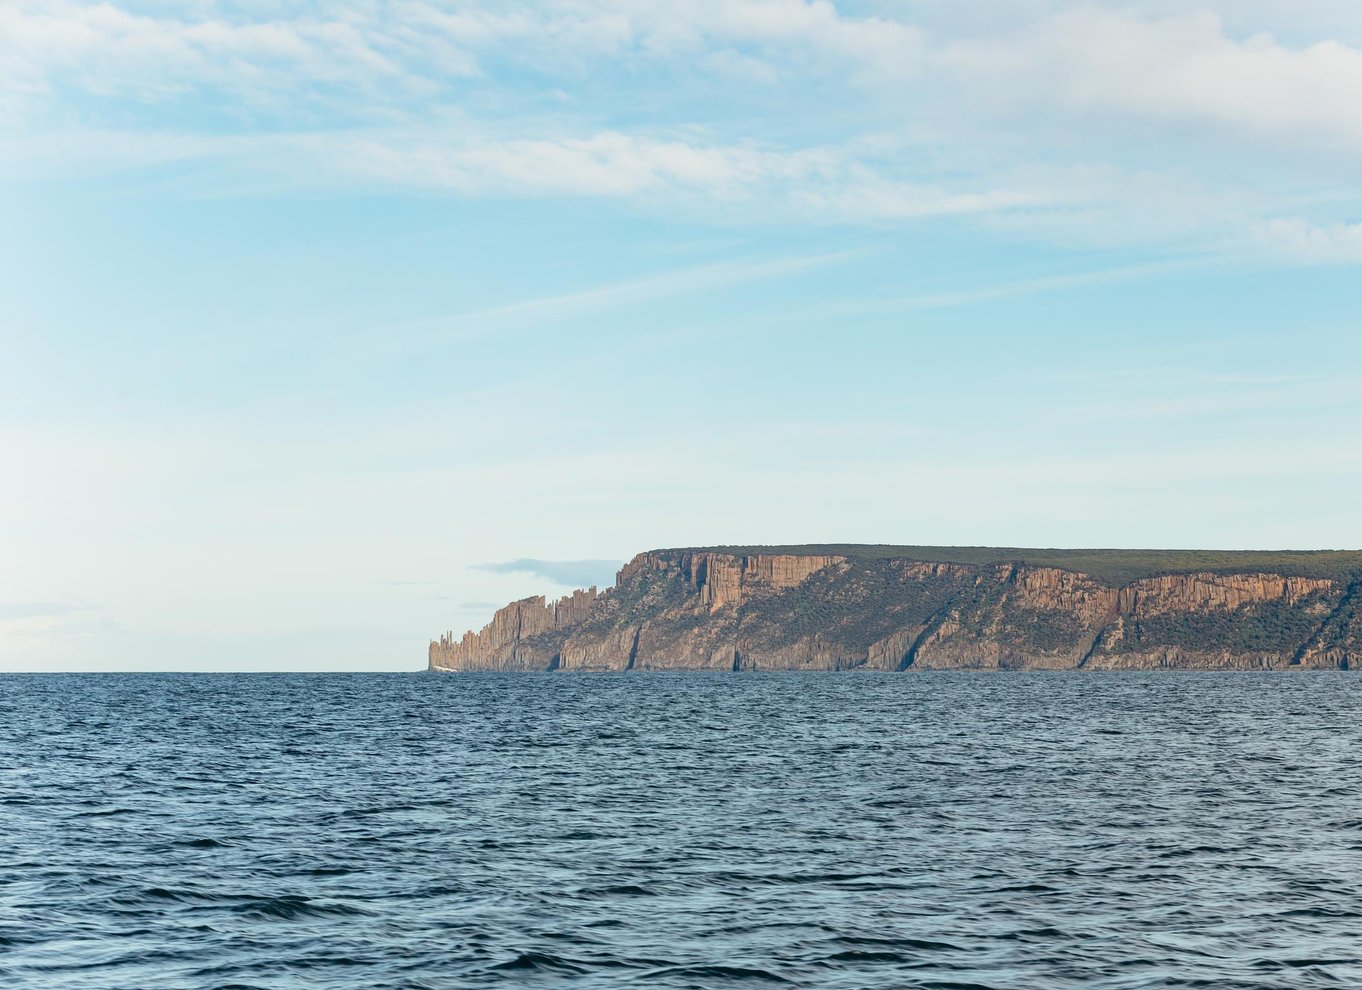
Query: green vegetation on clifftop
1112 566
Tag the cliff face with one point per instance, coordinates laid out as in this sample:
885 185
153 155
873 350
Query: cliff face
498 645
719 610
719 578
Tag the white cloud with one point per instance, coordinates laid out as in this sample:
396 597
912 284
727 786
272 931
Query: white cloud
23 611
1300 240
569 573
1174 70
740 182
107 51
820 182
1087 59
1080 123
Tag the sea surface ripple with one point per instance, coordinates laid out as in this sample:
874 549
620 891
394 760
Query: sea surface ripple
1109 832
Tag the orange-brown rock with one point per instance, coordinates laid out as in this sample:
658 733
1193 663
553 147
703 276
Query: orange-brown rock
1201 592
719 578
496 647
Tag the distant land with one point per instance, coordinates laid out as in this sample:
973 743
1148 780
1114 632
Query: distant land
866 607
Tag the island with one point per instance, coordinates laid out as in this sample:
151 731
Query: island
898 608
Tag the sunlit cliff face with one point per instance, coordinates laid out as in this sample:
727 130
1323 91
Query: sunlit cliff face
687 609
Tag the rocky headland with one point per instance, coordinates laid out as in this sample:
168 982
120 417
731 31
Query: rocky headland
936 608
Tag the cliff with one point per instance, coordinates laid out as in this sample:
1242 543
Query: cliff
926 608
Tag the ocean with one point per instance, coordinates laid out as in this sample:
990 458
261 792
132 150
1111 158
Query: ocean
854 830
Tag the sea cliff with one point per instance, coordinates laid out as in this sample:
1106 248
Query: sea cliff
936 608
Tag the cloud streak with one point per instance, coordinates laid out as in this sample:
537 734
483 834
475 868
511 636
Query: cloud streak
21 611
658 285
569 573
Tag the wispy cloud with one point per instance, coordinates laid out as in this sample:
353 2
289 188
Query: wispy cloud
1306 242
1004 290
32 627
353 47
571 573
1171 70
696 176
1063 121
16 611
626 292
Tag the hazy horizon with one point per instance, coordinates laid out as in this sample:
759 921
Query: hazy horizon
327 332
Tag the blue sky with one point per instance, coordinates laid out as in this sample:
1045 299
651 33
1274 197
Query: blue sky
328 327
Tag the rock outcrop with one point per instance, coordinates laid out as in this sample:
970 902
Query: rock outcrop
718 609
719 578
497 646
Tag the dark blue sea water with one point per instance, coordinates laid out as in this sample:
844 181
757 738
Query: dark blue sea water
820 830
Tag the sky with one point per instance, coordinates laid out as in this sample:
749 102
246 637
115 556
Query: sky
328 327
